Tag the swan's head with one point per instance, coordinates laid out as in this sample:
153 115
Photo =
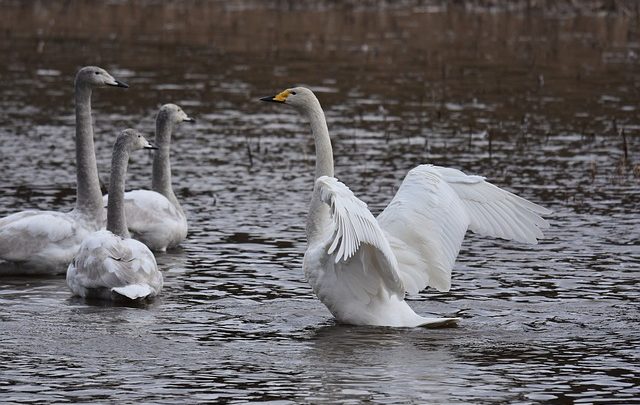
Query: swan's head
131 140
174 114
300 98
94 76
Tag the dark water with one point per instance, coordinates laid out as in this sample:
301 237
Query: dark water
543 106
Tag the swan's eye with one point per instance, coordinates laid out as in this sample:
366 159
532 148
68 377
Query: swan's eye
97 73
293 92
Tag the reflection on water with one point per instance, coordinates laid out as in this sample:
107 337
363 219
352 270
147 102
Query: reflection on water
543 106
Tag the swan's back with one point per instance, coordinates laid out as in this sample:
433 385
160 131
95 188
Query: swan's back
36 242
107 265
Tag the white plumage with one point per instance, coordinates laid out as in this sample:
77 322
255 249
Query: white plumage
425 223
109 264
36 242
153 219
361 267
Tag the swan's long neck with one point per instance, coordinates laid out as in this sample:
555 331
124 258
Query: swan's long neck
116 222
88 197
161 181
324 153
318 211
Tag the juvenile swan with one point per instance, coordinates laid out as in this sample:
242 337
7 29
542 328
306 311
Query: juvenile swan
44 242
361 267
109 264
155 217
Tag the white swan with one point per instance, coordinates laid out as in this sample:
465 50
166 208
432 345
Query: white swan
109 264
361 267
44 242
155 216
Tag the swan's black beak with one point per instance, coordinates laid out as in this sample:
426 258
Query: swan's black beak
150 147
119 84
189 119
271 99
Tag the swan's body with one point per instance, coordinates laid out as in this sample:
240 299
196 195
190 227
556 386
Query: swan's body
154 220
361 267
110 267
109 264
45 242
155 216
40 242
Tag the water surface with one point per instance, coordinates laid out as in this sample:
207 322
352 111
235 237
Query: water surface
543 106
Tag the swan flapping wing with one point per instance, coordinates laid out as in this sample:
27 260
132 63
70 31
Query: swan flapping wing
356 235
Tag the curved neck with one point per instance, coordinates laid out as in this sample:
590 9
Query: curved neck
324 153
116 222
161 180
318 211
88 195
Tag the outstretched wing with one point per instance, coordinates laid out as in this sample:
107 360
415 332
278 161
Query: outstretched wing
426 221
360 252
494 211
425 224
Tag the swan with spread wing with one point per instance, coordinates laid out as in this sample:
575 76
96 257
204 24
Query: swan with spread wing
361 267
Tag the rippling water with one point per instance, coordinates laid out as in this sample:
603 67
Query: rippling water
542 106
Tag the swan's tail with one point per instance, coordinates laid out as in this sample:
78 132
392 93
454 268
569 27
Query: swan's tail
133 291
438 322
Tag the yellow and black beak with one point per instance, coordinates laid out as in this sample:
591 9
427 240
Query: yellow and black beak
279 98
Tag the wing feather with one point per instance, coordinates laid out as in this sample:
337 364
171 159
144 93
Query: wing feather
145 210
106 261
425 224
427 219
50 235
357 233
494 211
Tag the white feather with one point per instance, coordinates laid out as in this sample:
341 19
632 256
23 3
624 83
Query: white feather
37 242
425 224
107 262
134 291
427 219
153 219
